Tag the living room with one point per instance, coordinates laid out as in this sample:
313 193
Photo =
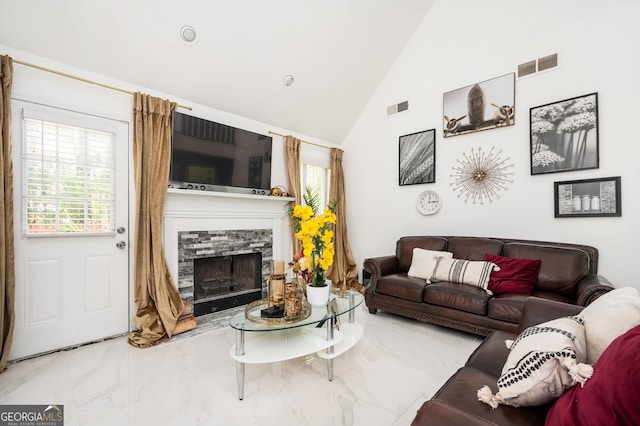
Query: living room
455 44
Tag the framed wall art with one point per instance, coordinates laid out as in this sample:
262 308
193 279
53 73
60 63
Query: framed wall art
417 162
588 197
564 135
486 105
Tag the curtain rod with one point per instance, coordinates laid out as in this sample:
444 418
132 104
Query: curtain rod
117 89
308 143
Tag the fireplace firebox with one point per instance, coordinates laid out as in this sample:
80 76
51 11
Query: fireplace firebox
223 282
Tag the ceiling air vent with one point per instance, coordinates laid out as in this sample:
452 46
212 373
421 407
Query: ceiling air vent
399 107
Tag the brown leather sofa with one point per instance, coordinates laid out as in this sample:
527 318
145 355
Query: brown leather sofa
568 273
456 402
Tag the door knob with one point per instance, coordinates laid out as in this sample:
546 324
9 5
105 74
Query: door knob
120 230
121 244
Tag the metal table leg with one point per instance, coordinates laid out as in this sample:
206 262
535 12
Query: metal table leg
240 365
352 312
330 327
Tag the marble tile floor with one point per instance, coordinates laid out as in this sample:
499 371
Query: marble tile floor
191 380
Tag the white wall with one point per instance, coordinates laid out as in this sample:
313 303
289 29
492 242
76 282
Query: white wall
463 42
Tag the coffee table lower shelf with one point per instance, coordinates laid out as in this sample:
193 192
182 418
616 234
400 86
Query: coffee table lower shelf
281 345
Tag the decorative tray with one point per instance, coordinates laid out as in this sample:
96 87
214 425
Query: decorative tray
252 313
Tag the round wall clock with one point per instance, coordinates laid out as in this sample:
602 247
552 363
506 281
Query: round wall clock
428 202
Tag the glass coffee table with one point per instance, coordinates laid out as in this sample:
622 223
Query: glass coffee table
258 342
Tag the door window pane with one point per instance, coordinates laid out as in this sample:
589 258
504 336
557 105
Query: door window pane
69 177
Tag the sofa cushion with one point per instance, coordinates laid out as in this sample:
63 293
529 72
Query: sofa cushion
405 246
608 317
402 286
516 275
611 395
473 248
560 269
506 307
543 362
457 296
424 261
470 272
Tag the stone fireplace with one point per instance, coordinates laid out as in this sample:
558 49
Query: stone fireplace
219 270
224 228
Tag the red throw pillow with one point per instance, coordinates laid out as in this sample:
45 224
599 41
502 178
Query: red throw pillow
611 395
516 275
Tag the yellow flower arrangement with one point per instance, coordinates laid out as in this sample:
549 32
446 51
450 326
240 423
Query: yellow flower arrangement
314 230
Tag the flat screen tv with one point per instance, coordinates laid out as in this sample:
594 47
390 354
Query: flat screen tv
212 156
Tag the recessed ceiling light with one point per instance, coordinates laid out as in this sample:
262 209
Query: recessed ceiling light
188 34
289 80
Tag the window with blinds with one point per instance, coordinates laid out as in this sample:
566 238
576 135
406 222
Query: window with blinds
69 178
315 171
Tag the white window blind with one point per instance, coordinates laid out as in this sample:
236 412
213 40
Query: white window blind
69 178
315 165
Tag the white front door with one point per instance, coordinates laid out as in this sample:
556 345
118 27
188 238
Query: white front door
71 228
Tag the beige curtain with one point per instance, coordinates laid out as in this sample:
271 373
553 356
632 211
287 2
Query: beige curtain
292 149
7 255
158 303
344 270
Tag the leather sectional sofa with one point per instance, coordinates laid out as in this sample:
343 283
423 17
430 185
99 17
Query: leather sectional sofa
567 273
456 403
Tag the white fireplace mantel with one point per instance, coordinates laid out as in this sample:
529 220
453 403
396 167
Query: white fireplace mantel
192 210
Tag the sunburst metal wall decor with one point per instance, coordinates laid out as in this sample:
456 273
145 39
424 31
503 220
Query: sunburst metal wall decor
480 176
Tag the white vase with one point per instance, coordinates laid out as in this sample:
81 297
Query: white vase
319 296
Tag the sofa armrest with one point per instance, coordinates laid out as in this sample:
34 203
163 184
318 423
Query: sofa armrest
380 266
537 310
437 412
590 288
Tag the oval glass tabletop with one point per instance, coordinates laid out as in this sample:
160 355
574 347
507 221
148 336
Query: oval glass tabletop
344 304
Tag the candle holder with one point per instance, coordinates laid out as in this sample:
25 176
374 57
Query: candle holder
275 297
292 300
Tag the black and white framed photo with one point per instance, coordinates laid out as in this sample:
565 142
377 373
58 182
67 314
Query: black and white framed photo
588 197
417 158
482 106
564 135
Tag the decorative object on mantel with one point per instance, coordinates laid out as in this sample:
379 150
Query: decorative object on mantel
314 230
481 176
275 291
279 191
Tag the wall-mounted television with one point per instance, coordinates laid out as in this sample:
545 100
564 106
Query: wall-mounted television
212 156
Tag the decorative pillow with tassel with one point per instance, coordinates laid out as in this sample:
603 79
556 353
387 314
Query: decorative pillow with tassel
543 362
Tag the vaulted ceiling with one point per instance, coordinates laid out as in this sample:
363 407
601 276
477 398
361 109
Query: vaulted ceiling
337 50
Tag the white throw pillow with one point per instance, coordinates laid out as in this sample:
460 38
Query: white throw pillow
609 316
543 362
423 262
472 272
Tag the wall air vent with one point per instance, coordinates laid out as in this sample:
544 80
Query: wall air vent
548 62
527 68
545 63
399 107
